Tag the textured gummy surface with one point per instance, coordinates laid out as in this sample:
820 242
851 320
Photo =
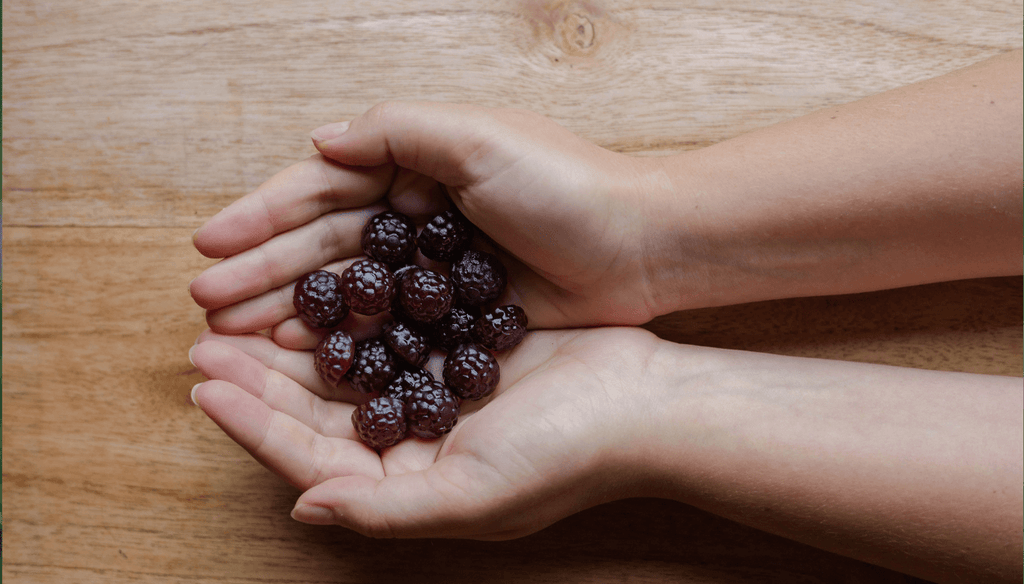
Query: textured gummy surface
380 422
479 278
422 301
389 237
425 295
405 382
318 299
368 287
471 372
431 410
445 236
333 357
500 329
373 366
408 342
454 328
396 302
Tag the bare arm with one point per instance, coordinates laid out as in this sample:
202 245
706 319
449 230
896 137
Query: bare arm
915 185
919 471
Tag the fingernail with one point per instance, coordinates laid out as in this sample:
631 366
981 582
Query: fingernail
191 351
329 132
192 394
313 514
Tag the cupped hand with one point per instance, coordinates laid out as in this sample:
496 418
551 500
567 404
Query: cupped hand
558 435
569 218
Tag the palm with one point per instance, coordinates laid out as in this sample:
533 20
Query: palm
542 431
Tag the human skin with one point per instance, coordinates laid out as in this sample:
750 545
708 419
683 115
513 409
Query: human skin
919 471
914 470
915 185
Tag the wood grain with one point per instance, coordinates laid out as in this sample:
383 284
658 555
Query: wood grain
127 124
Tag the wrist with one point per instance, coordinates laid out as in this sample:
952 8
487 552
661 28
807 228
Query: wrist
859 197
640 436
678 257
725 229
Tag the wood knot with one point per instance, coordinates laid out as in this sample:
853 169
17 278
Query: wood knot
577 32
577 28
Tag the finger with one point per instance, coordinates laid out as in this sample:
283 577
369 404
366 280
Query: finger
281 443
297 335
430 138
220 361
416 195
455 497
296 365
412 454
293 197
265 310
282 259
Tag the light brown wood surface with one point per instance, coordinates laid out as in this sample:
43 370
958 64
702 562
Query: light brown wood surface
126 124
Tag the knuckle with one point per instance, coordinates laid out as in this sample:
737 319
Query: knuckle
382 113
320 452
333 233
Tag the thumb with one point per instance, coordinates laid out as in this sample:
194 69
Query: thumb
435 139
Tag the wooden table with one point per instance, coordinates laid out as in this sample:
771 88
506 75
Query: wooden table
127 124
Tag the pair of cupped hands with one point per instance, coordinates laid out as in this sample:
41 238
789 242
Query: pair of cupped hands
568 426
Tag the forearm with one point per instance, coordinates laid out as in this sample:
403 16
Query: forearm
915 470
915 185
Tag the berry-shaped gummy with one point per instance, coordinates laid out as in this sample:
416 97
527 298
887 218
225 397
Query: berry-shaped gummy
500 329
368 287
425 295
389 237
431 410
408 342
333 357
406 381
445 236
454 328
380 422
471 372
396 304
373 366
318 299
479 278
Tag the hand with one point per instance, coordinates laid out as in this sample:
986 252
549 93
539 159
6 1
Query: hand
569 217
557 436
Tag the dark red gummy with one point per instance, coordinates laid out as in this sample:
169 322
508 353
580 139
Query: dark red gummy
373 366
471 372
406 381
368 287
431 410
396 304
445 236
479 278
425 295
389 237
333 357
454 328
380 422
408 342
318 299
500 329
